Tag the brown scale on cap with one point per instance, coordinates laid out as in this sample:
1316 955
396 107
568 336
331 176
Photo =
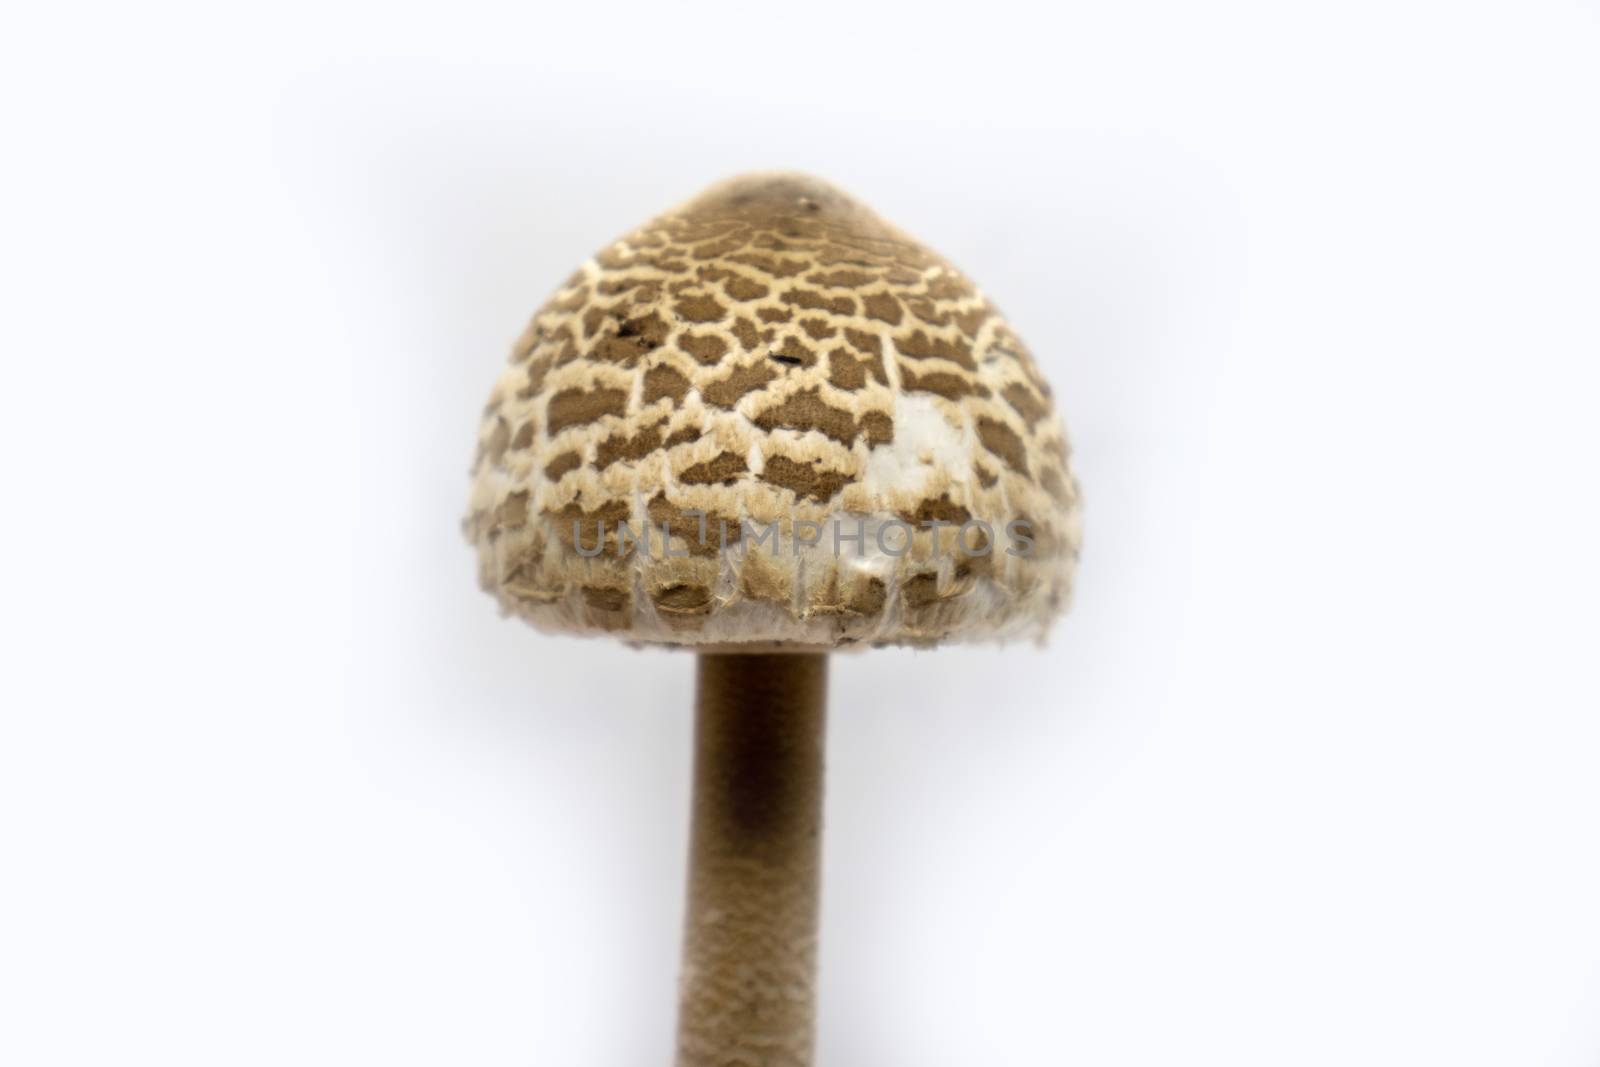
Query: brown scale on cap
773 353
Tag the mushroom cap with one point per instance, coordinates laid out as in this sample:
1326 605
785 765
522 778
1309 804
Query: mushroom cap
768 419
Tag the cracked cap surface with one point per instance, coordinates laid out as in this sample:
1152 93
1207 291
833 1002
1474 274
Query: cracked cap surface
767 418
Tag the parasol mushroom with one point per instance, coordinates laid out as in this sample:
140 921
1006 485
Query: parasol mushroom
765 427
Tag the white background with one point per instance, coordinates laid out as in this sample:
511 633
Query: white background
1310 775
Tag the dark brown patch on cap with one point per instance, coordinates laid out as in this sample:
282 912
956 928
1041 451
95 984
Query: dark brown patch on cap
941 510
868 597
745 332
714 249
818 328
682 435
537 369
567 461
725 468
776 266
806 410
878 427
969 322
594 319
1026 402
845 371
949 386
725 392
621 446
614 285
589 525
804 479
699 540
1000 439
948 287
841 279
918 345
707 349
794 353
576 407
699 308
566 342
866 343
811 300
524 435
883 307
927 311
624 351
663 380
650 329
742 288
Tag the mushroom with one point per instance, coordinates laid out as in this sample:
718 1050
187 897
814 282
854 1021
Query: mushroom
765 427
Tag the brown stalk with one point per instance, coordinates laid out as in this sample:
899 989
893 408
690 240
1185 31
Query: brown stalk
748 988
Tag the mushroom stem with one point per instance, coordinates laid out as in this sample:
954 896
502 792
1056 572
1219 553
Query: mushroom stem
748 989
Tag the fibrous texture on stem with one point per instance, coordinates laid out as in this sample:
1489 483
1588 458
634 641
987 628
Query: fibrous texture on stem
750 937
